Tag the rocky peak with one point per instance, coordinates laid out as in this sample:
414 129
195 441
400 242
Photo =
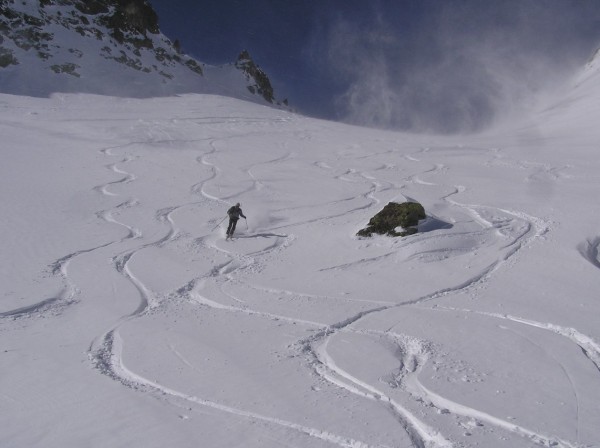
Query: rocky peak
258 80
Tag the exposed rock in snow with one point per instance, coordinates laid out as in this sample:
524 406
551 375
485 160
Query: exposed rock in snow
394 215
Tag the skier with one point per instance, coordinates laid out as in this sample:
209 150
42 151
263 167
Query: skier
234 214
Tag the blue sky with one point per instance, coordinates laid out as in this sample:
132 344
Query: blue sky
424 65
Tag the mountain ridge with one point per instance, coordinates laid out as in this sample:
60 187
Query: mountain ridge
108 47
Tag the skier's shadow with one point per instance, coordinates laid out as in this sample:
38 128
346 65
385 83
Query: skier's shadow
261 235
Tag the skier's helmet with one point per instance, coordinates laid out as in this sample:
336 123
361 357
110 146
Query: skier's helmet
237 205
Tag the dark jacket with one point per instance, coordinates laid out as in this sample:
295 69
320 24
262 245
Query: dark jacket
235 213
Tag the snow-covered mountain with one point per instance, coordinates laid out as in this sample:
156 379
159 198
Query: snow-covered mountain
127 319
108 47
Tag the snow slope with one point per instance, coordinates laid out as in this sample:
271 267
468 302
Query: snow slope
126 319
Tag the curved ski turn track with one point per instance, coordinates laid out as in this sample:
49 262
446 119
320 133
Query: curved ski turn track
298 333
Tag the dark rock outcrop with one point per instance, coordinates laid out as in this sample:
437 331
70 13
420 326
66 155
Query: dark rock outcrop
394 215
258 80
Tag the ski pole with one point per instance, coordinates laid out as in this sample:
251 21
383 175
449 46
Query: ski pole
246 223
218 224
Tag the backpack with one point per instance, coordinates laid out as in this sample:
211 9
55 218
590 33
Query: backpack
234 212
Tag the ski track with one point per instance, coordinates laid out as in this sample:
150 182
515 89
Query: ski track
458 409
411 380
569 378
106 351
201 300
414 354
67 297
587 344
70 292
125 180
443 404
108 360
420 433
44 306
60 267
